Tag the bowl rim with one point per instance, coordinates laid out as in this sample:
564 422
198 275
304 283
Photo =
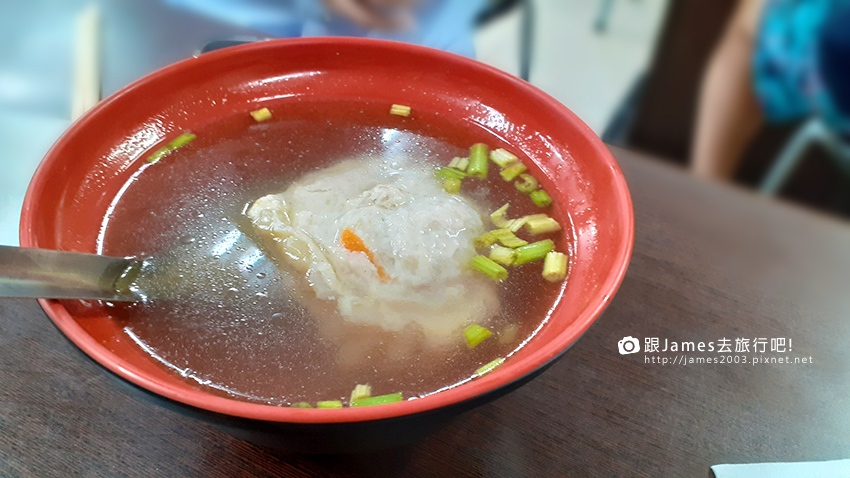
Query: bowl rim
273 413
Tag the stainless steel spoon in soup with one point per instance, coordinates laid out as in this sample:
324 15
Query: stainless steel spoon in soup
47 274
50 274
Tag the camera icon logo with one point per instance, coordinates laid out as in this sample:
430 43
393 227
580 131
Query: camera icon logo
628 345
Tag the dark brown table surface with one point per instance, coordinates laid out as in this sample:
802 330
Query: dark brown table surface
710 262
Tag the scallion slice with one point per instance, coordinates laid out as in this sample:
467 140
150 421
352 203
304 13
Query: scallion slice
451 185
527 185
502 255
361 391
533 252
516 224
508 238
489 268
329 404
449 173
175 143
540 198
378 400
503 158
512 171
489 367
475 334
512 241
301 405
542 225
555 266
400 110
261 115
485 240
499 217
478 164
459 163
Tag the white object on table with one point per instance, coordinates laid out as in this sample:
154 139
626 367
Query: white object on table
809 469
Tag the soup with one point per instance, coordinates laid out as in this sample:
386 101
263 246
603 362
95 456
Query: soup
229 312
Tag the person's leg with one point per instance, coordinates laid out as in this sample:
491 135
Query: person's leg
728 114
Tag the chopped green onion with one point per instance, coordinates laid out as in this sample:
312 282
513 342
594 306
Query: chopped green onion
527 185
555 266
475 334
540 198
171 146
502 255
533 217
451 185
400 110
361 391
449 173
485 240
512 241
503 158
378 400
499 217
508 238
542 225
533 252
459 163
489 268
497 235
329 404
512 171
516 224
261 115
478 161
301 405
489 367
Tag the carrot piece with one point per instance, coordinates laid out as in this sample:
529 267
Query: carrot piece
353 243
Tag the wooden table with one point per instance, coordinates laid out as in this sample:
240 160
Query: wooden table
710 262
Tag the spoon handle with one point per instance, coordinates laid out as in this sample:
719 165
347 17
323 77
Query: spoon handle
48 274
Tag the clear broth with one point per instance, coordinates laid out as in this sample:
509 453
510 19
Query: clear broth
233 322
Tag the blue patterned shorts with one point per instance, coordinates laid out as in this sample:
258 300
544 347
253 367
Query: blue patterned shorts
785 70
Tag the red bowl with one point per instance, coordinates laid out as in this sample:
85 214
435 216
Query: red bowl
72 190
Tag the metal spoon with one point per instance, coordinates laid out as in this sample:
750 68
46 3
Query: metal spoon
48 274
197 272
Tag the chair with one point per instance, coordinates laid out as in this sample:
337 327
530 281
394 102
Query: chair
496 8
814 132
604 14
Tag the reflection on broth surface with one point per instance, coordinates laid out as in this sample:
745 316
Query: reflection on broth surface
227 313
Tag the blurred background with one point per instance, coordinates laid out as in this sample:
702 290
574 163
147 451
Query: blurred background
673 79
